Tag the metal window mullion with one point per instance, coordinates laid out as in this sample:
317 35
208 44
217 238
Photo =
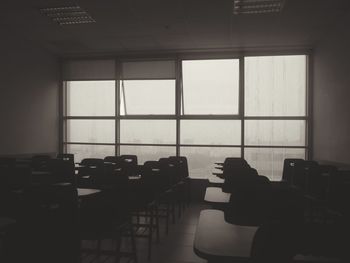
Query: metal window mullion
178 97
242 102
117 107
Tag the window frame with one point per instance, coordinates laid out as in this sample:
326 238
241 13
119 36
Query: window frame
178 116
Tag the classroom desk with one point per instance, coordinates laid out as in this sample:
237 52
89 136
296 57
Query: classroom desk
86 192
215 195
215 240
216 181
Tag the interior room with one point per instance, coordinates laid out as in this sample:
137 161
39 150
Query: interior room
174 131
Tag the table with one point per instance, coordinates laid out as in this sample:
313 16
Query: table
215 240
215 195
85 192
214 180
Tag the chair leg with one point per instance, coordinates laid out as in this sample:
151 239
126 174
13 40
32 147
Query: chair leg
167 218
157 221
150 235
118 239
133 243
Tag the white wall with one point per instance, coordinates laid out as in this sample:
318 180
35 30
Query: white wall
29 79
332 95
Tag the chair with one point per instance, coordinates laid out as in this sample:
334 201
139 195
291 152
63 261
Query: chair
89 171
40 162
62 170
129 164
114 160
66 157
184 175
230 165
250 202
289 170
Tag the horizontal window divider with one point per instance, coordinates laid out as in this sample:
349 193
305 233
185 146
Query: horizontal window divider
210 145
146 144
210 117
89 118
147 117
276 146
144 79
275 118
87 79
88 143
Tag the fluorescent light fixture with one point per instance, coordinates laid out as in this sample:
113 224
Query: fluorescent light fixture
241 7
67 15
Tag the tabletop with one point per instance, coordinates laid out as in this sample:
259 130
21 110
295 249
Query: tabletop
216 195
216 240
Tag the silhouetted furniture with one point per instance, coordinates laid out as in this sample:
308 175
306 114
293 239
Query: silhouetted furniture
230 166
116 160
40 162
183 177
215 195
66 157
217 241
62 170
289 170
106 215
89 171
250 201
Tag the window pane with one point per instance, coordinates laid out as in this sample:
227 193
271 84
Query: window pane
275 86
93 131
148 153
148 131
211 132
201 159
269 161
210 86
90 98
90 151
275 132
147 97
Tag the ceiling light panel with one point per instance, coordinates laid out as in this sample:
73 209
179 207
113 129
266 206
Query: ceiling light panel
67 15
241 7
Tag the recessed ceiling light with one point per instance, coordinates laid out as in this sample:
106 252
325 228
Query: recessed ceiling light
67 15
257 6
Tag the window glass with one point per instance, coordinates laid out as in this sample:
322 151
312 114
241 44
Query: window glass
275 86
216 132
90 151
90 98
148 153
148 131
145 97
210 86
93 131
269 161
275 132
201 160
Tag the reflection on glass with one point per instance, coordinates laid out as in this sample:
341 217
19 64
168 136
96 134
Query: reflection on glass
216 132
269 161
210 86
201 159
90 151
93 131
147 97
275 132
148 153
90 98
148 131
275 86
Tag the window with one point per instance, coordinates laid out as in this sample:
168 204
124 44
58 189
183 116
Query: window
196 108
210 86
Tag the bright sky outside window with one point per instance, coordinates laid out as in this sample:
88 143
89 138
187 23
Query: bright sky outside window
210 86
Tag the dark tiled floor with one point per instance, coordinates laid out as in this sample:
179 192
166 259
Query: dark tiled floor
176 247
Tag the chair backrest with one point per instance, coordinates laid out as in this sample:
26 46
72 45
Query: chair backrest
62 170
251 201
129 164
168 172
66 156
302 170
289 169
182 165
40 162
116 160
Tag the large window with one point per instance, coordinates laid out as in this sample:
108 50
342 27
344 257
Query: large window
204 109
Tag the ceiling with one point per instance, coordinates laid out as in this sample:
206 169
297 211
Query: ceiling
124 26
